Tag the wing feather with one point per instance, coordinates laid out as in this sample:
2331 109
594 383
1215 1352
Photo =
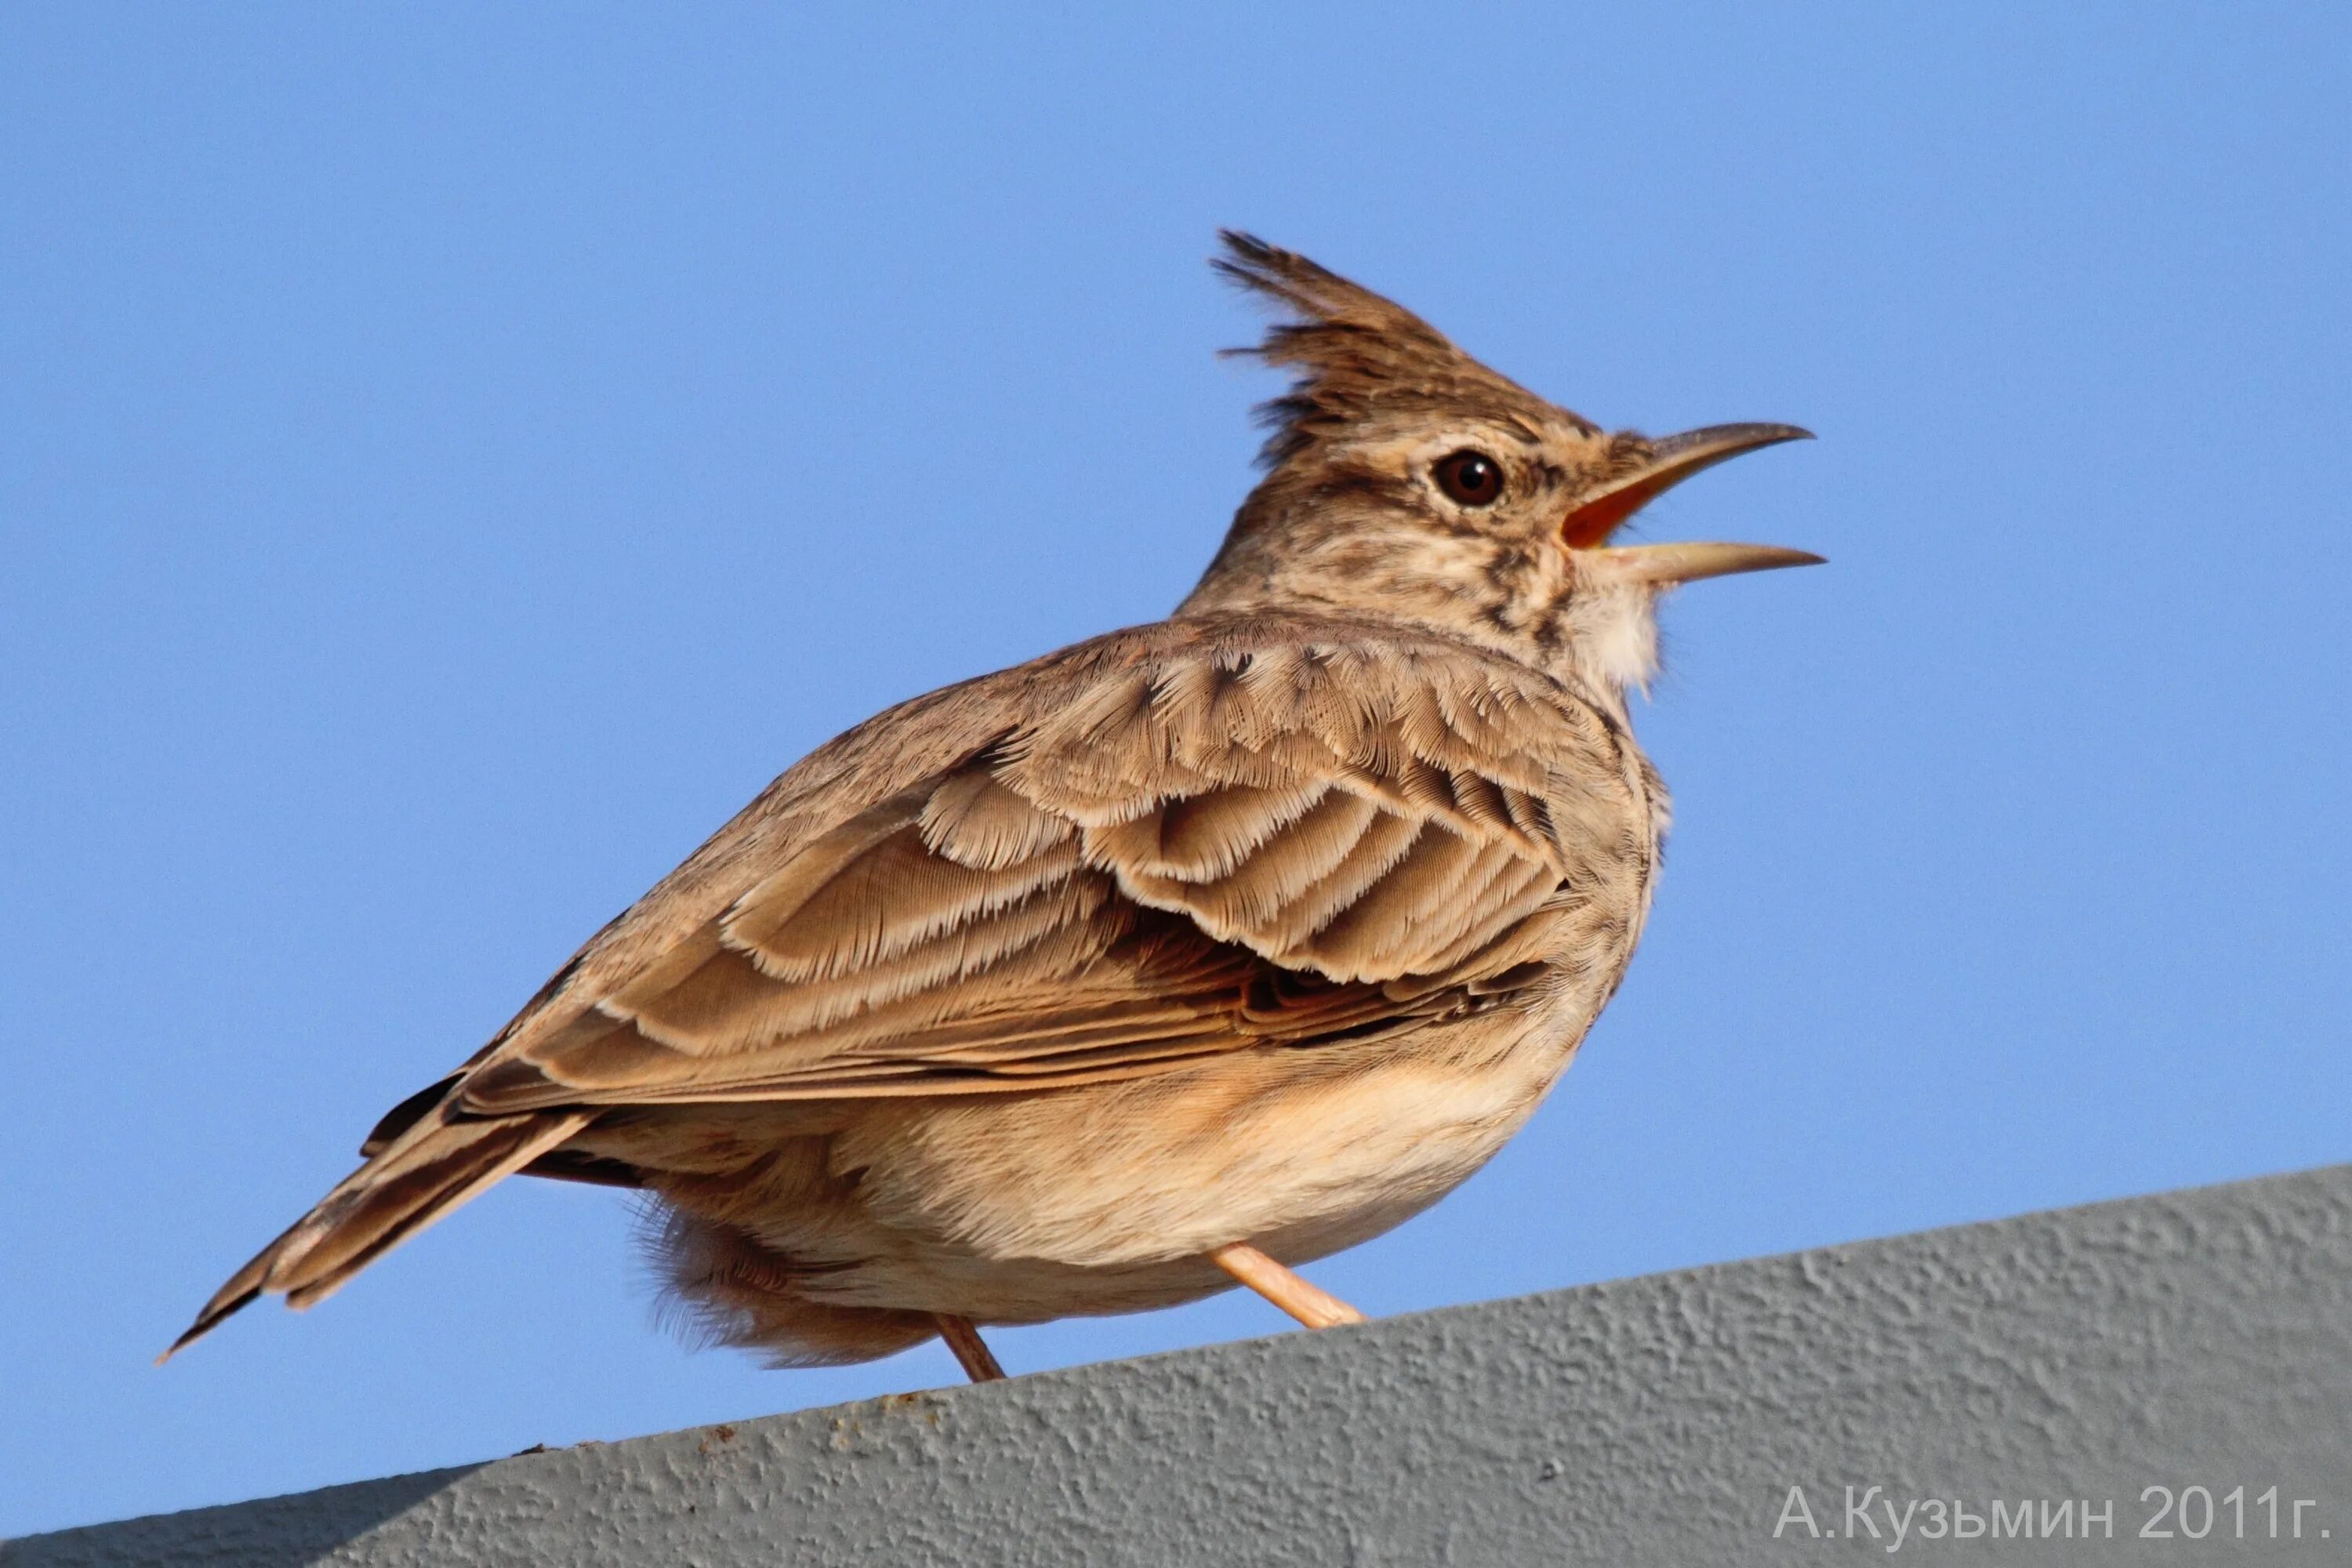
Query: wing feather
1187 850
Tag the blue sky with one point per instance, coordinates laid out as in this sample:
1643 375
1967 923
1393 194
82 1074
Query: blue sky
452 457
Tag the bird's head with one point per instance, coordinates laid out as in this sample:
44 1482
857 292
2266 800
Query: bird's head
1407 480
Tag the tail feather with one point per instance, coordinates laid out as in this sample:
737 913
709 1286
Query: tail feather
431 1167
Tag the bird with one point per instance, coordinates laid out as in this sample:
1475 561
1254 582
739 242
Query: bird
1166 962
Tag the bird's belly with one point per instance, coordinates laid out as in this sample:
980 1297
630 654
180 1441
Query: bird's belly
1106 1199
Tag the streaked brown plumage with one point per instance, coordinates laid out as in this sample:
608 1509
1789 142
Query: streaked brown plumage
1261 927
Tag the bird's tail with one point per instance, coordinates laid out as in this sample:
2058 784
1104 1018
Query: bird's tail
413 1179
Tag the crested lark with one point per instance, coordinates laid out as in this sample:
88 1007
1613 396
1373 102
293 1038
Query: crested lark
1165 961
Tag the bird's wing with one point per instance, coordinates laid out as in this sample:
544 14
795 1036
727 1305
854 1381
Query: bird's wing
1190 849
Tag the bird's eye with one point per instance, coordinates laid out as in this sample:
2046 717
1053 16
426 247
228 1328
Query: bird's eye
1470 479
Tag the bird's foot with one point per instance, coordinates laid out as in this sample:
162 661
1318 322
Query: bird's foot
971 1351
1316 1308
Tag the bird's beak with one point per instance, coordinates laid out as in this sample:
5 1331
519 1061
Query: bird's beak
1663 566
1673 459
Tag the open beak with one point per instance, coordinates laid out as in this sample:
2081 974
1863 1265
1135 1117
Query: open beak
1674 458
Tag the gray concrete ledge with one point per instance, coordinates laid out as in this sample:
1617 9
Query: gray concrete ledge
2197 1339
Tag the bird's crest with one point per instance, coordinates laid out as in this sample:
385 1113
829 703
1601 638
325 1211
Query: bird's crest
1355 356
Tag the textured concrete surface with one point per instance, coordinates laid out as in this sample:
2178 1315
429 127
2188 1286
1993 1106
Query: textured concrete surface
2194 1340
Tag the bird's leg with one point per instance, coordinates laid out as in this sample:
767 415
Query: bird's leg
970 1353
1315 1308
